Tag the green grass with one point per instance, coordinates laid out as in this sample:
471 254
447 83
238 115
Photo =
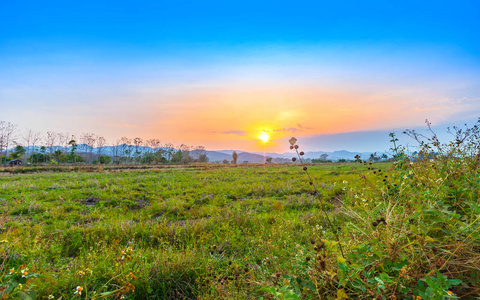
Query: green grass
212 232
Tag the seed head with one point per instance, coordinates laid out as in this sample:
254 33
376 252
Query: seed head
302 153
323 265
294 159
304 168
374 224
296 146
307 258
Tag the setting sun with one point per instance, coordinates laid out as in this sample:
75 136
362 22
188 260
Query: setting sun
264 136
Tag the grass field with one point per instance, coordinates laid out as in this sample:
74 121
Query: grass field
242 232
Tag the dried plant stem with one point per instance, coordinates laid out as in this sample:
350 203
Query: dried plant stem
327 217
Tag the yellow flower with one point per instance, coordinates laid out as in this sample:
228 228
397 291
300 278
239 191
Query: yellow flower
450 292
12 270
419 298
24 272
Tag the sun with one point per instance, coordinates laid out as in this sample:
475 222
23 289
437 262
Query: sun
264 137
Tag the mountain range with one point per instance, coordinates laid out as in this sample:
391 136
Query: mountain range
218 155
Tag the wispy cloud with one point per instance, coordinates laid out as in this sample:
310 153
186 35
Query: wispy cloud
291 129
236 132
299 128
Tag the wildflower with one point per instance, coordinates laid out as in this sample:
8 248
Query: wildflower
51 297
292 141
20 286
3 241
450 293
12 270
345 181
81 273
24 272
87 270
405 176
78 290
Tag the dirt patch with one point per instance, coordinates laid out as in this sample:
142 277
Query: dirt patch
140 203
91 201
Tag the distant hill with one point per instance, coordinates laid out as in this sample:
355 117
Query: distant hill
220 155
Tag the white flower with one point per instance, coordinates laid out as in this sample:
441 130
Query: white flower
3 241
78 290
405 176
24 272
51 297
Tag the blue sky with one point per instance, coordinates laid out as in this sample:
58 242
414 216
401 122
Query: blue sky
186 72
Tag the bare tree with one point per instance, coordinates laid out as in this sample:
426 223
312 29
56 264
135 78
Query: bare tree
63 140
7 137
154 149
138 142
169 150
88 141
30 139
50 141
101 142
125 144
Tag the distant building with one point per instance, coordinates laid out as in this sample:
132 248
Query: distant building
15 162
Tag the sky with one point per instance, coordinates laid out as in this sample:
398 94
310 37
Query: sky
219 73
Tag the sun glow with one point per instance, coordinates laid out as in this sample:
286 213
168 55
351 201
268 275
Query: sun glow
264 137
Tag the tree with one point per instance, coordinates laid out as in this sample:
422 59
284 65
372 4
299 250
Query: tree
203 158
7 137
72 156
138 142
101 142
235 157
17 153
30 138
225 161
88 143
59 156
323 157
104 160
50 141
269 160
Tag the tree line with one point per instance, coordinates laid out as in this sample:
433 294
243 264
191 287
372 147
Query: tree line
35 147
